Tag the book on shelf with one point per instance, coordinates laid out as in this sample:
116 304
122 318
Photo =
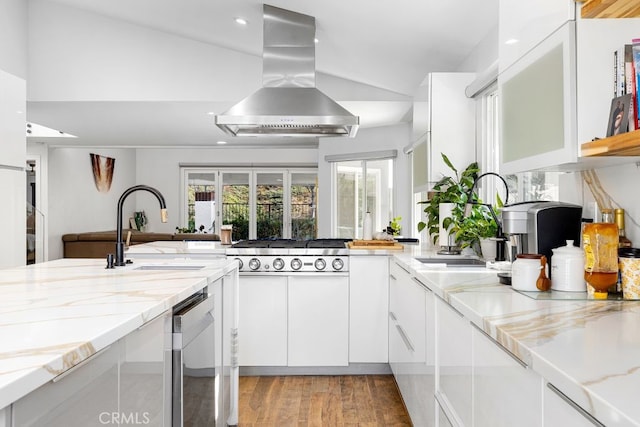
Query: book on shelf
626 78
634 70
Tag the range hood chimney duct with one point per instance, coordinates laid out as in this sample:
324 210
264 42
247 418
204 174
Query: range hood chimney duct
288 104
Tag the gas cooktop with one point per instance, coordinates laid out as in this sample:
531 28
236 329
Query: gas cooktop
292 244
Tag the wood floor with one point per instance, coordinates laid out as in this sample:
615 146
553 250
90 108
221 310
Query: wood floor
361 400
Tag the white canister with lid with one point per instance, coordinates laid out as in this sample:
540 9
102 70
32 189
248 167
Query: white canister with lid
525 271
567 269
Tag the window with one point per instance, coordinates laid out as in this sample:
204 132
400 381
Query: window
273 203
361 186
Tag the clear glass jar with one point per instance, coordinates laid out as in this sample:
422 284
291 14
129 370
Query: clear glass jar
600 244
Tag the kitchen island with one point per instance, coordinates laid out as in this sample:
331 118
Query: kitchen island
581 355
59 314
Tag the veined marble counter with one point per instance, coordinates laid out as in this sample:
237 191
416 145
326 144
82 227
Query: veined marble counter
590 350
192 248
56 314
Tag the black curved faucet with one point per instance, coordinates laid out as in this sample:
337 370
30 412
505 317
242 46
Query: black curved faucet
119 241
500 238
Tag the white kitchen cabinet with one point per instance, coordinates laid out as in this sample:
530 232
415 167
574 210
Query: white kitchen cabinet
411 343
84 396
318 315
263 321
557 96
442 420
448 117
519 32
368 305
560 411
505 392
5 417
454 363
13 107
13 218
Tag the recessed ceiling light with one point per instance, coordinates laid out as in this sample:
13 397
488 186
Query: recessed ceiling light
221 142
315 40
511 41
211 113
241 21
36 130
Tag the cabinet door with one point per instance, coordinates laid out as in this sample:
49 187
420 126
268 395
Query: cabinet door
318 308
84 396
368 306
538 106
13 220
453 369
560 411
263 321
452 129
499 377
519 32
145 373
13 107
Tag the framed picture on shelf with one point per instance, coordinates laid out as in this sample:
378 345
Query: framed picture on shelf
619 115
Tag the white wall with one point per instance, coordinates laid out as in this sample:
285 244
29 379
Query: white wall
374 139
483 55
13 37
75 205
160 168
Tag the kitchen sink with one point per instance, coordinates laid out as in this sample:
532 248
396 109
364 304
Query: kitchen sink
161 267
454 262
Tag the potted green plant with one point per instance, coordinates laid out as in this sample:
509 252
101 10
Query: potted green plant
479 229
449 189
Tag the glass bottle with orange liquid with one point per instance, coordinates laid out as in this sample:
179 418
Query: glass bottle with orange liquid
600 244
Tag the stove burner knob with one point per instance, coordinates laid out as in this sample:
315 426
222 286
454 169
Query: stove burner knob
240 263
278 263
337 264
254 264
296 264
320 264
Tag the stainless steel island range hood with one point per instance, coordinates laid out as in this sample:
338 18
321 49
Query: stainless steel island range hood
288 104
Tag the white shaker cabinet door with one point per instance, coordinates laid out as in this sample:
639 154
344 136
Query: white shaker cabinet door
13 105
263 321
505 392
318 333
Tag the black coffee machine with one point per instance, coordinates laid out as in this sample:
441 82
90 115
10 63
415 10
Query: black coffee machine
537 227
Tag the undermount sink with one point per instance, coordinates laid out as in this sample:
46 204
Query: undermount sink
169 267
454 262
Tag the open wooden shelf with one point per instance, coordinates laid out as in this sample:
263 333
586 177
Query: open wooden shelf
610 8
625 144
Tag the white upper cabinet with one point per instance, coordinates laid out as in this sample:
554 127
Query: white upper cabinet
447 122
557 93
524 26
13 142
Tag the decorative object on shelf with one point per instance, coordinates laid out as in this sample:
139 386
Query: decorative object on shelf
449 189
619 115
102 168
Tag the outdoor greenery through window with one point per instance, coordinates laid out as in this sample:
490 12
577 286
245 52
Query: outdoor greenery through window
269 204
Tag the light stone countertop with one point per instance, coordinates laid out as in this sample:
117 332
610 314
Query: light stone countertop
590 350
56 314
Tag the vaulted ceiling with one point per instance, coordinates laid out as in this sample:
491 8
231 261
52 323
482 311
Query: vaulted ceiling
371 56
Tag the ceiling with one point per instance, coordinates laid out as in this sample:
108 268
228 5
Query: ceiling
387 46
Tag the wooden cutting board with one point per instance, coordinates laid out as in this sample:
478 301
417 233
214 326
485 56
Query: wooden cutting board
374 244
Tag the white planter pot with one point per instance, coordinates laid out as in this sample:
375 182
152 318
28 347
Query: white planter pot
488 249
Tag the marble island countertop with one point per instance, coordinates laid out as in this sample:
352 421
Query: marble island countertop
56 314
590 350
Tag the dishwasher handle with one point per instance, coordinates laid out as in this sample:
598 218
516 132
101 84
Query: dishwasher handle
191 320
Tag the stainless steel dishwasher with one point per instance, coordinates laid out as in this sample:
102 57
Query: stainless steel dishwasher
197 398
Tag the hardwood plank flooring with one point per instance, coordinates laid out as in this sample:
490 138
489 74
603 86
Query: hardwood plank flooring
321 401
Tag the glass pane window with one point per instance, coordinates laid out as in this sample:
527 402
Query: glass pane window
356 195
201 201
235 203
304 193
269 205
